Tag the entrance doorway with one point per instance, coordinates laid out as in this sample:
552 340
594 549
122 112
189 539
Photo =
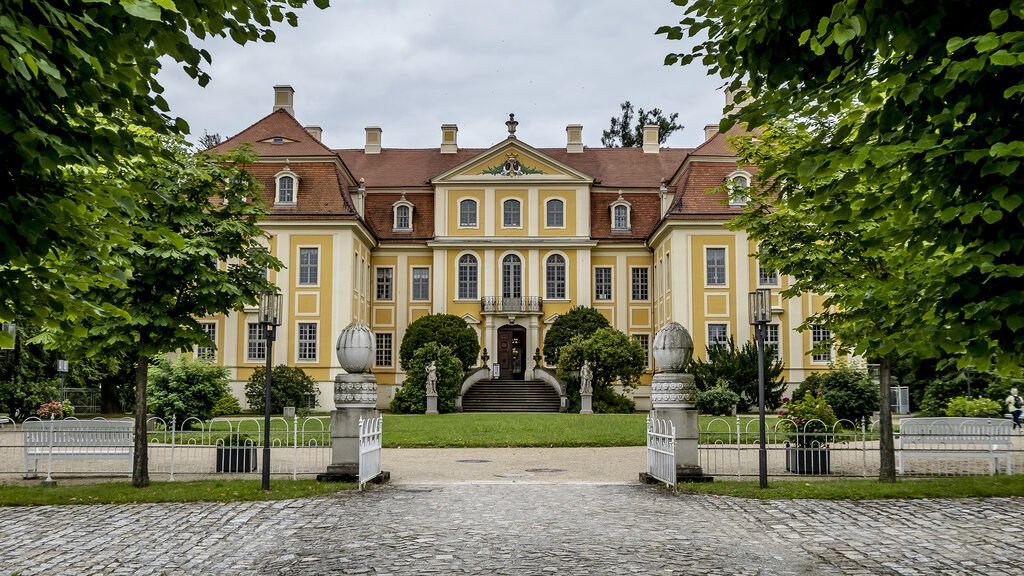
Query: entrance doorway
512 352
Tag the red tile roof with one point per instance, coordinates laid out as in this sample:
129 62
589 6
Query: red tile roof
278 124
379 216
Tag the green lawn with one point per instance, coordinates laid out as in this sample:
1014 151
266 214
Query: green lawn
491 430
865 489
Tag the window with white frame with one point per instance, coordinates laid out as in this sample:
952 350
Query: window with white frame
819 335
715 268
467 277
771 340
739 188
383 354
766 276
287 184
603 283
309 266
421 283
403 217
511 214
307 348
384 283
511 277
467 213
555 213
645 342
256 343
208 353
620 217
555 277
640 283
718 335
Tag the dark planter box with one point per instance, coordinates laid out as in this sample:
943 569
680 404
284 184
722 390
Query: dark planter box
236 459
802 460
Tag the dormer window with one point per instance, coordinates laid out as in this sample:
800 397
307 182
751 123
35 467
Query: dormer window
402 215
620 215
287 187
738 184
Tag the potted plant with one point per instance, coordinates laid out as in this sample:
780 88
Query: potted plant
236 453
808 422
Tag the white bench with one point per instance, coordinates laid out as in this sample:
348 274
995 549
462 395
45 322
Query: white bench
63 439
955 437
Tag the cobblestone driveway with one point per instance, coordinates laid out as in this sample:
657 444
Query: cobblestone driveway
513 528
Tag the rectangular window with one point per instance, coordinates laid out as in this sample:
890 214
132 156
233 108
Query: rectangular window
383 350
602 283
510 214
715 266
421 283
256 349
640 283
771 340
645 341
818 335
307 341
384 276
309 263
467 213
767 276
556 214
208 353
718 335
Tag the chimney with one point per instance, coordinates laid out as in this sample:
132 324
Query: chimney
284 97
730 96
449 139
316 132
651 145
574 138
709 131
372 140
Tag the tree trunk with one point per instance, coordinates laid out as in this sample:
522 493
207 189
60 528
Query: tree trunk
140 468
886 449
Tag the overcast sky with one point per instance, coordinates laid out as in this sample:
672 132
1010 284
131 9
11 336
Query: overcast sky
410 66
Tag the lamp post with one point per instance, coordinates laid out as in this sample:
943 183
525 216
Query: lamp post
760 315
62 372
269 318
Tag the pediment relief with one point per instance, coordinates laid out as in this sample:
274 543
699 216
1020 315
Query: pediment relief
512 161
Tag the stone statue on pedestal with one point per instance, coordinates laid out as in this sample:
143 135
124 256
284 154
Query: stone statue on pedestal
586 379
432 379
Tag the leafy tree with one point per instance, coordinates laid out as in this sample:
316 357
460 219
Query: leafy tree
849 392
77 77
27 374
207 140
185 388
914 111
411 398
579 320
289 386
204 210
738 367
445 329
623 133
614 358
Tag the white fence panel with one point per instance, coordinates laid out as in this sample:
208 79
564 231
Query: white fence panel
661 450
370 448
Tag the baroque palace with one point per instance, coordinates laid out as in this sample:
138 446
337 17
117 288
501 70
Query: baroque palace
508 238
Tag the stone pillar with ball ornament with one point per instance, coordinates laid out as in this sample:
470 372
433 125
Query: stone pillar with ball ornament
355 397
674 397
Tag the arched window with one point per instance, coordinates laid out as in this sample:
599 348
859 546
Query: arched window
402 215
467 277
287 187
467 213
555 277
738 183
511 214
511 276
555 213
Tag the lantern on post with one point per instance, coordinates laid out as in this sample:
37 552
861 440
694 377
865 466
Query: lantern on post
270 319
760 305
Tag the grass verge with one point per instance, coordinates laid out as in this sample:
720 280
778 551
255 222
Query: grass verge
865 489
193 491
513 430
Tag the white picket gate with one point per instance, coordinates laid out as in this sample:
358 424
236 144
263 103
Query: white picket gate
370 445
661 450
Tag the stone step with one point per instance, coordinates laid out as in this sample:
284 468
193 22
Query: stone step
510 396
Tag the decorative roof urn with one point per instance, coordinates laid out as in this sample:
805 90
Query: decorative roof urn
672 348
356 348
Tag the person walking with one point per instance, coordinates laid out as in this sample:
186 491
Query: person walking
1013 402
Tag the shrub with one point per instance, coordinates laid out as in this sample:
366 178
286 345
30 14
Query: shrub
976 408
185 388
226 406
718 400
446 330
614 357
738 367
289 386
56 409
849 392
578 321
608 401
411 398
940 391
810 414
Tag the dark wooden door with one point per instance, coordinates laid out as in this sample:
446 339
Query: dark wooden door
512 352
